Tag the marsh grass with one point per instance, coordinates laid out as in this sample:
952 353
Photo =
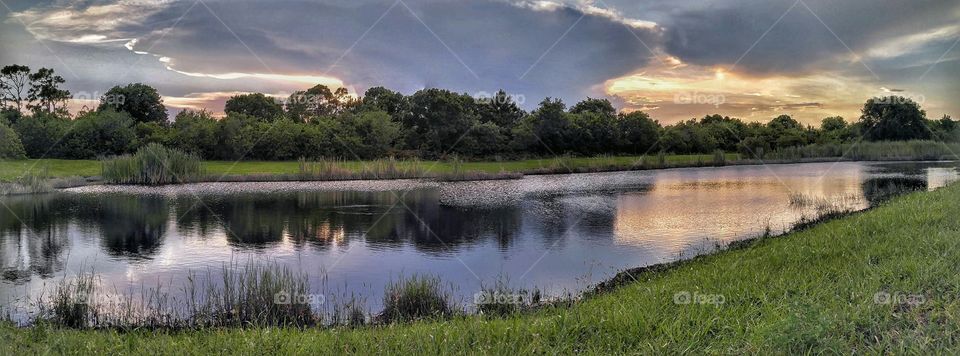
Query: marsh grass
338 169
250 295
71 304
153 164
871 151
28 183
415 298
458 172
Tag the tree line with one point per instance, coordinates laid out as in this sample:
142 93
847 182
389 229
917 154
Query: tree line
430 124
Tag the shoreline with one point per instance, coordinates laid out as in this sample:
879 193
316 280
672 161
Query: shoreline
68 184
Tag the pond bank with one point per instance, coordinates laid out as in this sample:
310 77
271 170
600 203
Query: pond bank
878 282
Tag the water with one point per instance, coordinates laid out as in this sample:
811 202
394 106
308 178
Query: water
560 234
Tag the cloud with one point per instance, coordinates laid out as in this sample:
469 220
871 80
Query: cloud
195 52
465 46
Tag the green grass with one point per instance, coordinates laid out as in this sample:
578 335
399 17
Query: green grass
812 291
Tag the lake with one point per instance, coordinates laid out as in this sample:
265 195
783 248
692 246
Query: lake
557 233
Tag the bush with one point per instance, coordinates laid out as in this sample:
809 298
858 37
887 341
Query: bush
153 164
98 134
10 145
415 298
39 134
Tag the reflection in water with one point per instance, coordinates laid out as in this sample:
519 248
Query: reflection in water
551 233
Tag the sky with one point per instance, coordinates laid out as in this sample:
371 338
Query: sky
674 59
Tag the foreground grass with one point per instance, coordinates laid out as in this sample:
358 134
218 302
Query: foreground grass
9 170
882 281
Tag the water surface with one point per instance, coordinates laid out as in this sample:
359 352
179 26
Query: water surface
557 233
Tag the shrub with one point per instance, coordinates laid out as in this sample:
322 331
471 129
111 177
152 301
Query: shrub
152 164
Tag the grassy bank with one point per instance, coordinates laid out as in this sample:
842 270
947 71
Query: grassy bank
10 170
456 169
878 282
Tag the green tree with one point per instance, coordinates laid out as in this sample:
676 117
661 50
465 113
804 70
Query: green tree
45 94
10 145
599 106
386 100
439 119
893 118
41 134
833 123
99 134
257 105
547 130
376 131
141 101
14 81
640 133
196 132
501 110
784 123
316 102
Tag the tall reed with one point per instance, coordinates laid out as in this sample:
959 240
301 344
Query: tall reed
338 169
153 164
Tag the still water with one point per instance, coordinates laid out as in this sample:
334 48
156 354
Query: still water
557 233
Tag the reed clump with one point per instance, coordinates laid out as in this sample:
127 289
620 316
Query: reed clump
153 164
415 298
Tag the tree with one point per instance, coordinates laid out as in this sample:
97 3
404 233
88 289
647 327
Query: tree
14 80
438 120
196 132
893 118
833 123
256 105
550 128
501 110
40 134
45 94
316 102
944 129
595 132
10 145
640 133
599 106
383 99
377 133
141 101
98 134
783 123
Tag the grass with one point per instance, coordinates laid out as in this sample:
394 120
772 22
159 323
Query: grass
882 281
153 164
